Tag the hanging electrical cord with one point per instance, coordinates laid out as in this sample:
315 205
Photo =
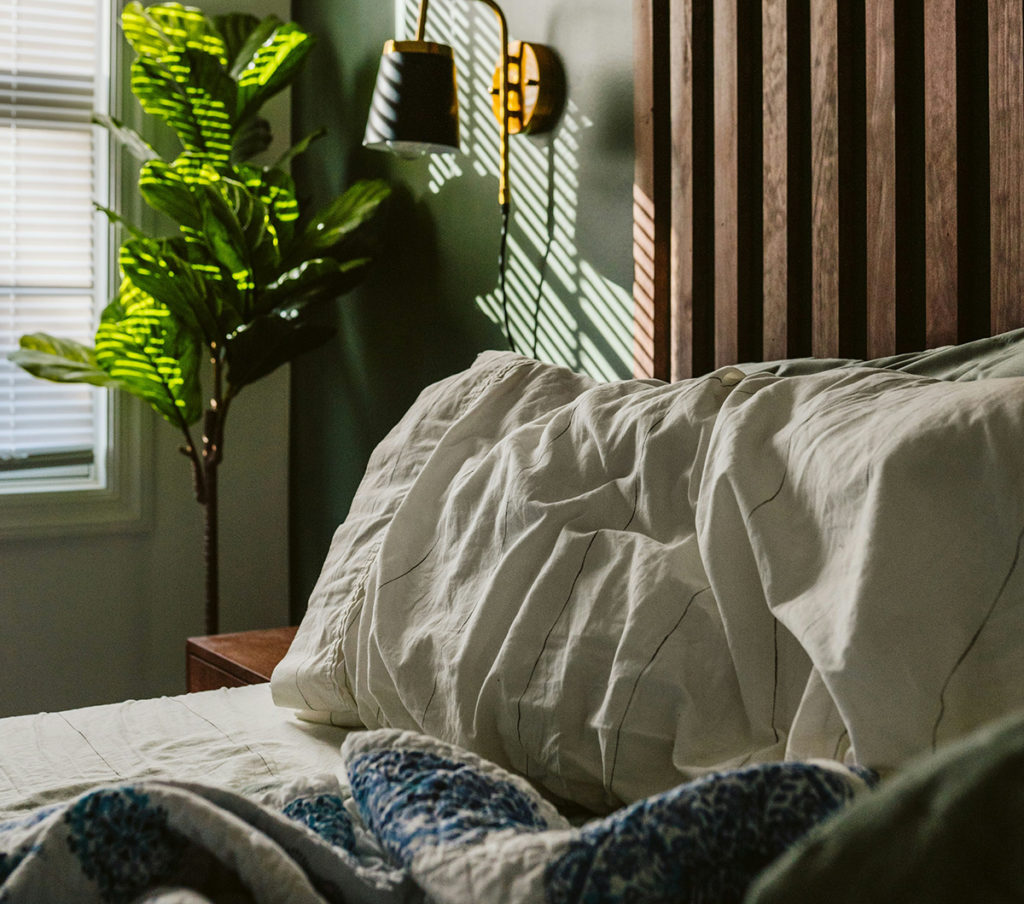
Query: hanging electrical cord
502 266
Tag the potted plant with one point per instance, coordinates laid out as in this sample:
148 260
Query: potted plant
239 278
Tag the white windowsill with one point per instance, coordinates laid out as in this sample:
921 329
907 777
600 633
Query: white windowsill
119 504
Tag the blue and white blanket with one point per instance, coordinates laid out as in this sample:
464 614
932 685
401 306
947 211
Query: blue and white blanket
410 819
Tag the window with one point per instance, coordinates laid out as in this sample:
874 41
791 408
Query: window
54 253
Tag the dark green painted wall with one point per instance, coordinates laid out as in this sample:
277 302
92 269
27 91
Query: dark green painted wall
421 314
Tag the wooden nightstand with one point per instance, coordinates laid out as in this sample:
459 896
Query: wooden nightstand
233 660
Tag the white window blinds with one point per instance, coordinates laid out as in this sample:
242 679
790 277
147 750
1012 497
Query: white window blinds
51 79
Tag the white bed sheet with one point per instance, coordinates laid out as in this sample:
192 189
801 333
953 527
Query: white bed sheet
234 738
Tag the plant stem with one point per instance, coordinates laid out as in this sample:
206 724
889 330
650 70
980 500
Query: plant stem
213 437
189 451
210 549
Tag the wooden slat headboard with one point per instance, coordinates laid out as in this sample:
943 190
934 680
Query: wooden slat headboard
823 178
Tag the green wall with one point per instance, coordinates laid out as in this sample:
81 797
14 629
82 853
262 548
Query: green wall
430 304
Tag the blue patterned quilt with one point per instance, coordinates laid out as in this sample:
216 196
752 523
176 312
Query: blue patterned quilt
410 819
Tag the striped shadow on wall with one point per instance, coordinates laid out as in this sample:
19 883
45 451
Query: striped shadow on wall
835 179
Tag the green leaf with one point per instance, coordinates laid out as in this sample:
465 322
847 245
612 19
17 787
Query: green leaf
250 139
195 169
235 29
166 190
341 218
300 147
142 346
169 28
272 66
257 36
139 148
276 189
194 95
316 280
60 360
270 340
142 31
114 217
223 233
159 272
237 231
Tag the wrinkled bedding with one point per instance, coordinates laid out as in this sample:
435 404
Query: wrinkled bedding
234 738
616 588
692 606
407 818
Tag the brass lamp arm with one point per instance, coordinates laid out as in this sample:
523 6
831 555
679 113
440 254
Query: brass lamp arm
421 24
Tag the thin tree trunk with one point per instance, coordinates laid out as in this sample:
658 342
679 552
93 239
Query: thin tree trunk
210 550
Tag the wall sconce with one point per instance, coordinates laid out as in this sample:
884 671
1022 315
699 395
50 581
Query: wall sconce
415 107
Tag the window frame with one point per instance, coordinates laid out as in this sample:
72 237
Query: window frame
115 494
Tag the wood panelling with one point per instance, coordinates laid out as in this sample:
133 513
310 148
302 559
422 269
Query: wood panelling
842 179
825 178
726 181
775 178
1006 160
880 84
681 305
940 168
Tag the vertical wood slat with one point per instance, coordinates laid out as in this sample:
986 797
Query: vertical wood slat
651 189
825 178
775 179
940 167
1006 161
880 80
684 307
726 181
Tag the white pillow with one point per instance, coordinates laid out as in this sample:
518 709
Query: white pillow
520 576
312 677
880 518
614 588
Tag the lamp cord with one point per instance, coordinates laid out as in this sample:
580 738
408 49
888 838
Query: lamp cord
502 266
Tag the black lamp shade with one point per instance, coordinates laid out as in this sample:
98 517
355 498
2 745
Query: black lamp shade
415 108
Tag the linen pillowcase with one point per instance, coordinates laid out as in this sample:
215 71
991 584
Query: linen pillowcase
311 678
879 517
535 592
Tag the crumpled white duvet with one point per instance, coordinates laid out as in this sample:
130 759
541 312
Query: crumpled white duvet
613 588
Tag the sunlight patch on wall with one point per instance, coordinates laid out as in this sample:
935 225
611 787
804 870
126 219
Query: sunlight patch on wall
561 308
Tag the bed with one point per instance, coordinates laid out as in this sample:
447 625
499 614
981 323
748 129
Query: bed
745 628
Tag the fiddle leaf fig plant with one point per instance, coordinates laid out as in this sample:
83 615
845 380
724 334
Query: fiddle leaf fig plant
237 281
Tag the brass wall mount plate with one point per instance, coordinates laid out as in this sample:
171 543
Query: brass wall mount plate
536 88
